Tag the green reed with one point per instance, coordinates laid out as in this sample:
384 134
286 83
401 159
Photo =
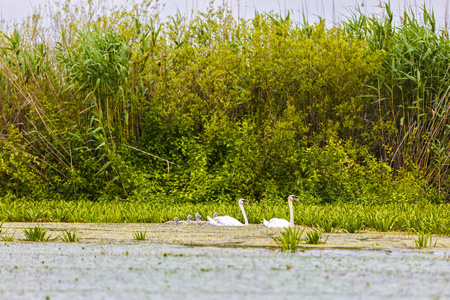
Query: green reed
289 239
343 217
36 234
314 237
139 235
70 236
424 240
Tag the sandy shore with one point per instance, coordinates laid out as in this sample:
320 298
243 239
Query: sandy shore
248 236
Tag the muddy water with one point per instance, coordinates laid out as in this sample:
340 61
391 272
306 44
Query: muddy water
160 271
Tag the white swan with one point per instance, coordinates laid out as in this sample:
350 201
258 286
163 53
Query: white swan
227 220
282 223
174 222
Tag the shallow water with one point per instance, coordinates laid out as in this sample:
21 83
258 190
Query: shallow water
156 271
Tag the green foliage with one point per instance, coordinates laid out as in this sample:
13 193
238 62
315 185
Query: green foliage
423 240
7 238
203 110
36 234
70 236
314 237
139 235
289 239
348 217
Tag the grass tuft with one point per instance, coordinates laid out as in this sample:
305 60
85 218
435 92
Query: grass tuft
70 236
6 238
288 241
36 234
314 238
424 240
139 235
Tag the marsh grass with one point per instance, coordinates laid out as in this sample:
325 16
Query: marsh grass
424 240
384 223
139 235
353 225
327 226
314 237
70 236
6 238
36 234
289 240
352 218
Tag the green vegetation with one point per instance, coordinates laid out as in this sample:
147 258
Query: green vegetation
70 236
36 234
127 106
6 238
408 217
289 239
124 117
314 237
139 235
423 240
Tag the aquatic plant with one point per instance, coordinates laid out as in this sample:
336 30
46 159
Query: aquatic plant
314 237
353 224
424 240
289 240
36 234
343 216
70 236
139 235
383 223
6 238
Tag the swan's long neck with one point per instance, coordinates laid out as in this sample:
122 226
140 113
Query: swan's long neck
291 211
243 212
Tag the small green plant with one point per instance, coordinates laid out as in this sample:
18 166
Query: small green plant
139 235
70 236
288 241
327 226
6 238
36 234
384 223
354 225
424 240
314 238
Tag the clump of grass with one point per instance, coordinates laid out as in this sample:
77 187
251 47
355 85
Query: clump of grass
139 235
354 225
327 226
6 238
314 238
36 234
424 240
288 241
70 236
384 223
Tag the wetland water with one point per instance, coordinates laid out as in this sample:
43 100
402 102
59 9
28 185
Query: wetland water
159 271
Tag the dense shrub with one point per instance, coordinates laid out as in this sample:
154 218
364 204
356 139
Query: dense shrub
125 105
